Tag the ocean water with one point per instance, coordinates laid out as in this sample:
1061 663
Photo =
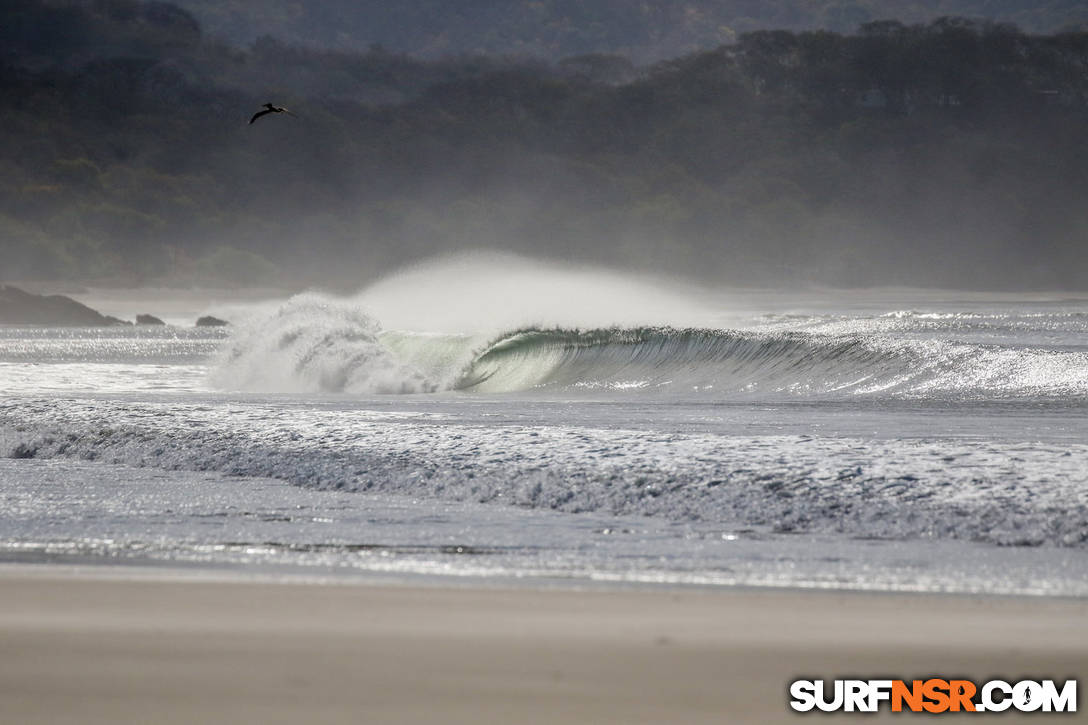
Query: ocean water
500 418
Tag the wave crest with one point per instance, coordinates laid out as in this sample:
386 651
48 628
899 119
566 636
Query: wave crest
652 358
312 344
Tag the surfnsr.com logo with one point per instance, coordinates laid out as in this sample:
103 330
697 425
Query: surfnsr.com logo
933 696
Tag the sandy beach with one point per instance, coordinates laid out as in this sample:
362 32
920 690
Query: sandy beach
118 646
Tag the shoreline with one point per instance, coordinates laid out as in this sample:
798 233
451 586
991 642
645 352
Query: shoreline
152 646
138 570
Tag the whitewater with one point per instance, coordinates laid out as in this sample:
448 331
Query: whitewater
495 417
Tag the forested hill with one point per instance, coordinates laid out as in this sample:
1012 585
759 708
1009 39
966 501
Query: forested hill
553 29
949 153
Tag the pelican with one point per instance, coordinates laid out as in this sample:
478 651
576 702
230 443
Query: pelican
269 108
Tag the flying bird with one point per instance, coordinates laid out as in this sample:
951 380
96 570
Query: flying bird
269 108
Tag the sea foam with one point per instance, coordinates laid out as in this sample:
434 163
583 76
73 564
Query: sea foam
314 344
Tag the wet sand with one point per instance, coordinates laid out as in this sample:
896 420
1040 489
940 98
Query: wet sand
117 646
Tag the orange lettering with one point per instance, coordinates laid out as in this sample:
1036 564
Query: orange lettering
912 695
937 692
961 692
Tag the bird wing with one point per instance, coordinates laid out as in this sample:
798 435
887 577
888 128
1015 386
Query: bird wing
258 114
289 113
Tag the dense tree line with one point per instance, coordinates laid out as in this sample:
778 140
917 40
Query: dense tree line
945 153
554 29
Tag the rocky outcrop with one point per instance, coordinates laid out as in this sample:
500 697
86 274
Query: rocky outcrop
148 320
209 321
18 307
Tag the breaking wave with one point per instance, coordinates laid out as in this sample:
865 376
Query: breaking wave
725 362
314 344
